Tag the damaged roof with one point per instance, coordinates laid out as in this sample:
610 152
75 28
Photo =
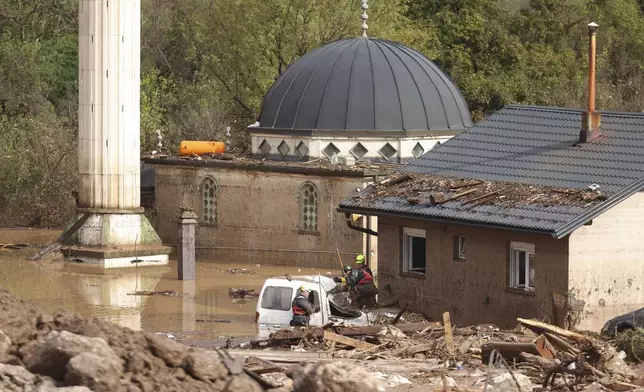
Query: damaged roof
528 168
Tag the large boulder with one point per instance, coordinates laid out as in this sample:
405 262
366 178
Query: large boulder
51 355
170 351
101 374
5 345
16 378
335 377
205 366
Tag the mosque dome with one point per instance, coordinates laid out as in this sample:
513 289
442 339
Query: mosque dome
364 84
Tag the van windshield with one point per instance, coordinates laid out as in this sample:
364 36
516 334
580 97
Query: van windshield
277 298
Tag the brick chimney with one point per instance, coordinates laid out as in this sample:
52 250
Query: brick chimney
591 119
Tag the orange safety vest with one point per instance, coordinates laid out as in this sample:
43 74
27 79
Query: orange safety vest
366 277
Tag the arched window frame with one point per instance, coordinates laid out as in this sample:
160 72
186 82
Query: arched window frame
303 222
211 182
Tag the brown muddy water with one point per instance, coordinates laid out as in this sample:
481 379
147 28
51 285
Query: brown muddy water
204 312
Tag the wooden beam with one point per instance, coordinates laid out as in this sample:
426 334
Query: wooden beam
334 337
449 338
543 327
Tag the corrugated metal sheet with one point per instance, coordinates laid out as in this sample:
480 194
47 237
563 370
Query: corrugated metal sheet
532 145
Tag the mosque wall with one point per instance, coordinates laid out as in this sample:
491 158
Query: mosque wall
259 217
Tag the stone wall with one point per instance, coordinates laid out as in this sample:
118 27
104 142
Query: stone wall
607 263
475 290
258 215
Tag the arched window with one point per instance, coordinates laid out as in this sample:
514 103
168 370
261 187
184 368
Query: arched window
209 194
308 197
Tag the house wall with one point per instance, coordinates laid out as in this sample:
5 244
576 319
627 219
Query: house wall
258 216
474 290
607 263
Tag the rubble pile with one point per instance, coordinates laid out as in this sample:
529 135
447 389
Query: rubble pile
534 355
64 352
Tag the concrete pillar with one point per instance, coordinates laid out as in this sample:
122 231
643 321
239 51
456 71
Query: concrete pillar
186 244
109 104
114 231
188 306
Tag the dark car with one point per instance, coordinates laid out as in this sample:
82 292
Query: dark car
630 320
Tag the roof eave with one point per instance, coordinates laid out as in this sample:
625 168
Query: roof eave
572 225
434 219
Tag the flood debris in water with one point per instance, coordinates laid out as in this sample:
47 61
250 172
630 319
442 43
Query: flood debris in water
240 271
11 246
165 293
242 293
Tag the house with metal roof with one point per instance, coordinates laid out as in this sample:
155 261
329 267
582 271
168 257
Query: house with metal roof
532 212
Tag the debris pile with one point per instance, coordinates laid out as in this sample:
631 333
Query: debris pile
533 353
242 293
65 352
429 190
240 271
249 160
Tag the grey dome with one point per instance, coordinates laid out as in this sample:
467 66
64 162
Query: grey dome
363 84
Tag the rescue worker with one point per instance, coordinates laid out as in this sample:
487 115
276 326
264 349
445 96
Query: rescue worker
302 308
360 284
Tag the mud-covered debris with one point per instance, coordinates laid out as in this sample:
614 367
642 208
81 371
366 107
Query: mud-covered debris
165 293
242 293
426 189
240 271
335 377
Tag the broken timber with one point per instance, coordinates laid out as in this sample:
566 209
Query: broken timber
287 334
396 180
449 338
66 236
436 199
540 346
539 326
347 341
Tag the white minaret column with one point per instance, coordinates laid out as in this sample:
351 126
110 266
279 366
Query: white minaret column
109 104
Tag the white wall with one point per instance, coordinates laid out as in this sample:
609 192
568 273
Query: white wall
607 263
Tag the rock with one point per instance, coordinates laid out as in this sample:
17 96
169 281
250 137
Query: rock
16 378
335 377
169 350
505 382
245 384
5 344
51 355
205 366
101 374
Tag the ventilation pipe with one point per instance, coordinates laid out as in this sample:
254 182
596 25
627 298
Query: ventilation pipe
591 119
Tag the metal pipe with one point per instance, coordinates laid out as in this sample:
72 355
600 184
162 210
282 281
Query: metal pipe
592 56
358 228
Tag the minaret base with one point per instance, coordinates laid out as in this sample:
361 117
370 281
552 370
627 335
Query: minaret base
114 239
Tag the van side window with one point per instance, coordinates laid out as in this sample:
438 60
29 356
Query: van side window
277 298
314 298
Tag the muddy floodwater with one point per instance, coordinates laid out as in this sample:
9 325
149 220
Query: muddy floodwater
201 309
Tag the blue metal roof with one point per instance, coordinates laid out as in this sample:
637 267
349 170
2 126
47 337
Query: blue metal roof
530 145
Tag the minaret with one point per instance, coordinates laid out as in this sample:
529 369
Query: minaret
109 140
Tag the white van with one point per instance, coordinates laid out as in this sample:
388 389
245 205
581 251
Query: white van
275 299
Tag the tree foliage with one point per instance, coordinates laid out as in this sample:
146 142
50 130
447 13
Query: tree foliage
206 65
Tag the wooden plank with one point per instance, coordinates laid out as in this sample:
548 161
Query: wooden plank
334 337
449 338
452 197
278 356
534 324
54 246
402 311
289 334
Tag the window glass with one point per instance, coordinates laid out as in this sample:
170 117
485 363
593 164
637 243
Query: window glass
308 198
277 298
209 193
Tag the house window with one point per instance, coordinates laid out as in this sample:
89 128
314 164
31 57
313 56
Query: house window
522 268
308 197
414 251
277 298
459 248
209 194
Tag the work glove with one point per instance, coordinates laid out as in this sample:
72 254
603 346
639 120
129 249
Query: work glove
337 279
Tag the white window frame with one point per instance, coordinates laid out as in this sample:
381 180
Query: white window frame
408 233
459 247
516 248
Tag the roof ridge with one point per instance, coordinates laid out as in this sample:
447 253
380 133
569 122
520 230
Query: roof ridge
570 110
